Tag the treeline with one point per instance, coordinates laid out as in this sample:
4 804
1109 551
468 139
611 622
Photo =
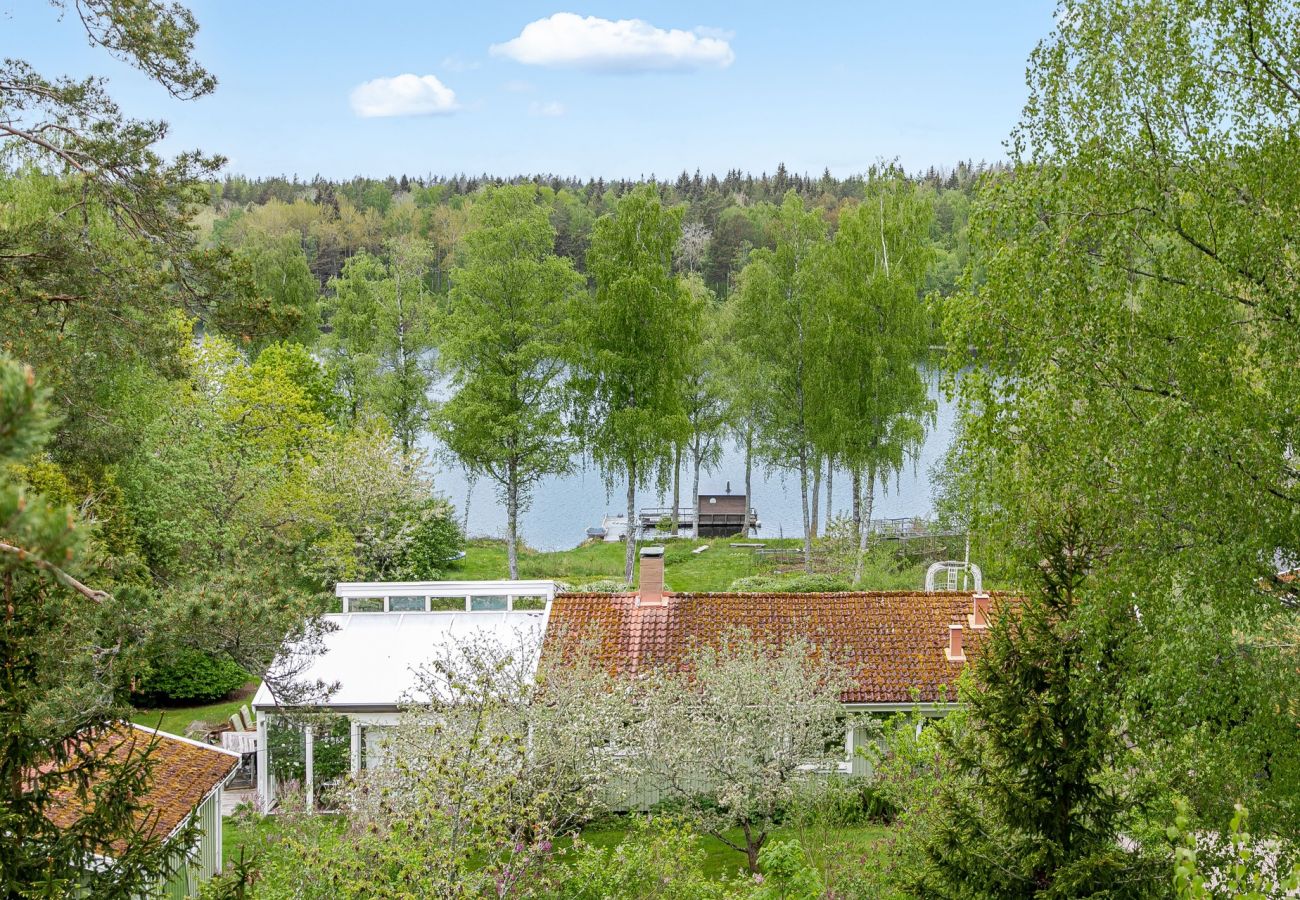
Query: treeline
337 218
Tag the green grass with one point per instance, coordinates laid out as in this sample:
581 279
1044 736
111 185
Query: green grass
176 719
721 860
711 570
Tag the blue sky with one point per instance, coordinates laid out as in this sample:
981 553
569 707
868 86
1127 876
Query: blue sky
704 84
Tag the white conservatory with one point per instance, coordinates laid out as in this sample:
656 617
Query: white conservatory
371 654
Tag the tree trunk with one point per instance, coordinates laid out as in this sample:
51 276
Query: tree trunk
816 494
677 484
830 488
749 459
857 503
512 520
864 531
695 494
803 496
752 846
629 559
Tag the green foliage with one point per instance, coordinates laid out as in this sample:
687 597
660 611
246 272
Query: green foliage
1133 314
381 334
66 647
1254 870
659 857
187 676
631 344
787 874
434 541
1033 805
794 584
502 343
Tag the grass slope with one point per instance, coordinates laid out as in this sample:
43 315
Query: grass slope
710 570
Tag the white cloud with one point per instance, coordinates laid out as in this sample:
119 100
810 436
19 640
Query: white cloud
625 45
405 95
550 109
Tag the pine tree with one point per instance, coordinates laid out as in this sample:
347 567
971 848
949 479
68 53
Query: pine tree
60 652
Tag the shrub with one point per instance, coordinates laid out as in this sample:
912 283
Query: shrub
791 584
787 874
603 586
660 857
433 546
189 676
844 803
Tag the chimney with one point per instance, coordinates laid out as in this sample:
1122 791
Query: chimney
979 617
652 576
954 650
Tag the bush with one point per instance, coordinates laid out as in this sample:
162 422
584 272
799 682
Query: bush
844 803
603 586
660 857
790 584
434 545
189 676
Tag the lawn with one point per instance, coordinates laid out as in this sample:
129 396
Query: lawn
176 719
713 569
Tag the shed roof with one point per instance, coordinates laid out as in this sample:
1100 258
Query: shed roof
183 773
374 657
892 642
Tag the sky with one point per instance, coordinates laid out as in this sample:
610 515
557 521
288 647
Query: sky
599 89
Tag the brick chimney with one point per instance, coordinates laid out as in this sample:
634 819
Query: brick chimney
954 650
651 591
979 617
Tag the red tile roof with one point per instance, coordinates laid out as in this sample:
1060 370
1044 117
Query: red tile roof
183 773
893 642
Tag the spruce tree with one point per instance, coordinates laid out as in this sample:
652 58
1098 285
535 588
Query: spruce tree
1034 798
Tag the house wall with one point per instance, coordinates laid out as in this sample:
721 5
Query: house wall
192 869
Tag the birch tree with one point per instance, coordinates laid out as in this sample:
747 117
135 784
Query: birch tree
775 327
874 407
502 344
702 398
632 345
381 336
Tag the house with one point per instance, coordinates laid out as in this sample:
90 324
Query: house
185 785
904 650
370 656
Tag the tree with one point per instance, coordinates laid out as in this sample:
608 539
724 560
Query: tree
703 401
66 649
745 719
487 766
776 329
381 339
1131 304
97 247
873 404
1030 807
502 343
631 345
283 292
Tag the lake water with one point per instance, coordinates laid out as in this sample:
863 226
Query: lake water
564 507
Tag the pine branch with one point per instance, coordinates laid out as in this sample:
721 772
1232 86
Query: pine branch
63 577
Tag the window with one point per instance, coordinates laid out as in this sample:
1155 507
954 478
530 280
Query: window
366 604
406 604
530 603
487 603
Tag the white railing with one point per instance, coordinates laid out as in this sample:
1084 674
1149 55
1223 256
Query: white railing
418 596
954 577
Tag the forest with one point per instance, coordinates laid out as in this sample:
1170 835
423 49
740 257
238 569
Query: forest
216 391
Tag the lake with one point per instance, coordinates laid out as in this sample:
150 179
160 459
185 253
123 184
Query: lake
564 507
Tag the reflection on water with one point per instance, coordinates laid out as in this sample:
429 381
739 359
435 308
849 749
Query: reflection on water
564 507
